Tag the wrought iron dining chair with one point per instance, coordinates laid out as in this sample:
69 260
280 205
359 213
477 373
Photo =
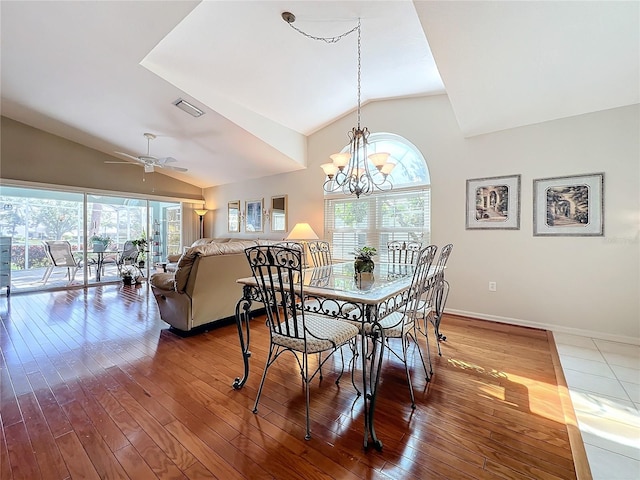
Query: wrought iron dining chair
60 255
402 324
436 298
320 251
278 274
403 252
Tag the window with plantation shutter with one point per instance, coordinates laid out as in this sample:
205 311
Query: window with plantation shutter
399 214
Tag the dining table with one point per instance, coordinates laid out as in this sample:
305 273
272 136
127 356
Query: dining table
337 291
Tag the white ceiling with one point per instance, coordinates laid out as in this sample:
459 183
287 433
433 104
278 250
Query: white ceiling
102 73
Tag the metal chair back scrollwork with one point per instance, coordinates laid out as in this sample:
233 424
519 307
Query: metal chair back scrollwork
403 252
320 251
277 271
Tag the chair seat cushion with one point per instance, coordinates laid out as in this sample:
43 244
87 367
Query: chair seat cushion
393 325
323 333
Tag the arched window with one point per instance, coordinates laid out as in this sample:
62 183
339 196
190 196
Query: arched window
374 220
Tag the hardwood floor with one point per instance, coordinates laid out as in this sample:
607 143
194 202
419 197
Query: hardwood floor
93 385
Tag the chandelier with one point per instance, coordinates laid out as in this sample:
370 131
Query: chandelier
353 171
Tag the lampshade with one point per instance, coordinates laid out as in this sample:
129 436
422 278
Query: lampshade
302 231
201 212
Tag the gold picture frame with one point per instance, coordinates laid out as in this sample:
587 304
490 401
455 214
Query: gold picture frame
233 216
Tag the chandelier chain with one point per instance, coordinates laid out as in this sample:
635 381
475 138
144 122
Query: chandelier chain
359 72
350 170
335 39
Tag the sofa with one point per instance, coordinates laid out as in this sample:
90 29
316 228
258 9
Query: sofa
203 290
172 260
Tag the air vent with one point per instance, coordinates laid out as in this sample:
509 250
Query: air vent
187 107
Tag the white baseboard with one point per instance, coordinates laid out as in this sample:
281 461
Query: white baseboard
547 326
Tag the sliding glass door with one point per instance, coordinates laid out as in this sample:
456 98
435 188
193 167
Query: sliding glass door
65 239
113 223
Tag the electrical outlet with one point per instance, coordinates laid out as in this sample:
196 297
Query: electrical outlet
492 286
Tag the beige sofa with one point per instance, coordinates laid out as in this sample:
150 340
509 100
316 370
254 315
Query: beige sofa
172 260
203 288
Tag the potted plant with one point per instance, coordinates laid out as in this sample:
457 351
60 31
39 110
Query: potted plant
128 275
364 259
100 242
141 245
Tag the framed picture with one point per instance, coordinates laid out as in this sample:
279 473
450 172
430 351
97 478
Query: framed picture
253 216
493 203
569 206
233 216
279 213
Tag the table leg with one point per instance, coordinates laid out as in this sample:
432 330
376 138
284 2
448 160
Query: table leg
243 313
99 264
377 341
370 382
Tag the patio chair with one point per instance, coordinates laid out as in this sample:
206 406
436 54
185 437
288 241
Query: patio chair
128 259
278 273
60 255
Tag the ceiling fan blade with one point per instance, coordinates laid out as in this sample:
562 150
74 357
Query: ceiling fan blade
177 169
130 156
166 160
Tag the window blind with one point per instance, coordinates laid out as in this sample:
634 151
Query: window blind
376 220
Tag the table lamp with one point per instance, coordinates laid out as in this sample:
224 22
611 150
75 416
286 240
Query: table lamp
302 232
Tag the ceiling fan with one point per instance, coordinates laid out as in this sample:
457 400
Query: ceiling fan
148 161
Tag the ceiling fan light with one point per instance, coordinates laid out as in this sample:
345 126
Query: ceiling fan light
187 107
148 169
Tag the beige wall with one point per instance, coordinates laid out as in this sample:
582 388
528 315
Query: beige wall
588 285
31 155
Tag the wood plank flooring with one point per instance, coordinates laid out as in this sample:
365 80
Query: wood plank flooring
94 385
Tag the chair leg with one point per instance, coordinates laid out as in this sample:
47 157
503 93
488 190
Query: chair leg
415 337
47 274
405 343
72 275
341 366
305 374
426 337
441 300
270 360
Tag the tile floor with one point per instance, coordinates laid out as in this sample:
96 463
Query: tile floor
604 383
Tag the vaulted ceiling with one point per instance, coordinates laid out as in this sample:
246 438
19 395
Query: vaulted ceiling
102 73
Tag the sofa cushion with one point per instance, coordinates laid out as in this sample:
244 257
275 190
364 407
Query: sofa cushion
188 257
163 281
202 241
206 240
